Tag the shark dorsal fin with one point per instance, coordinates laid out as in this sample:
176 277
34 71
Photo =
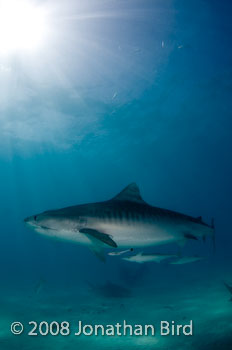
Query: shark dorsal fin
130 193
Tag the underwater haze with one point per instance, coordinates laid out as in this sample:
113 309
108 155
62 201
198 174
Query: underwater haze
118 92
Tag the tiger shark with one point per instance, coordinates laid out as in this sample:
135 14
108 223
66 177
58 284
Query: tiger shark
125 221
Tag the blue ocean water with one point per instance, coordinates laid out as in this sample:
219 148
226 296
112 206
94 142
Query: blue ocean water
119 92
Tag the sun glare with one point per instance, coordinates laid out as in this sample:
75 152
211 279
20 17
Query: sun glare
22 25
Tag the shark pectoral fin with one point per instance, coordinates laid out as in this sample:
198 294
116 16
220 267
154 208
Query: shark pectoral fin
98 250
102 237
190 236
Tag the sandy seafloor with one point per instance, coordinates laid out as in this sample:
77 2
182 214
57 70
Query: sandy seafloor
205 301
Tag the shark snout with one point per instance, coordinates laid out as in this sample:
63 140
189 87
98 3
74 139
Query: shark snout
35 222
30 220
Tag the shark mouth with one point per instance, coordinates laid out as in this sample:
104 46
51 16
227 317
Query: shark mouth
42 227
38 227
46 228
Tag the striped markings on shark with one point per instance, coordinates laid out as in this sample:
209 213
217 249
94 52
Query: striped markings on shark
123 222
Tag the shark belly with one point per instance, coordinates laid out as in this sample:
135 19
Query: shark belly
128 235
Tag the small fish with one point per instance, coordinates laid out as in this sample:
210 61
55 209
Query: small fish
141 257
39 286
114 95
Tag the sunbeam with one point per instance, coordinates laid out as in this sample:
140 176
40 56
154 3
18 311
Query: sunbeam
22 26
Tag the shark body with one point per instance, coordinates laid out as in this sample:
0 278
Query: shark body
125 221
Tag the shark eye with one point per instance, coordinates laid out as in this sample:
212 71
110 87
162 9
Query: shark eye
35 217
